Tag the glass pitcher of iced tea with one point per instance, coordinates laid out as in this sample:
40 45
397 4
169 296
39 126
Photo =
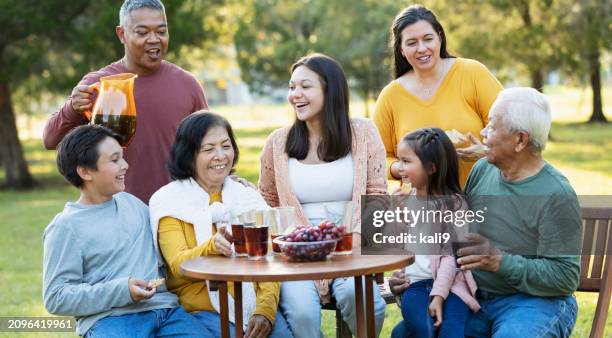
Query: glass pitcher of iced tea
114 107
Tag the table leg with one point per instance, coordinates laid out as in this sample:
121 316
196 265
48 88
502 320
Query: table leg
224 309
238 309
380 278
361 327
369 306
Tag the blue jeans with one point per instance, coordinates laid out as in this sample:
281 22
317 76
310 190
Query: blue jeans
418 323
211 320
522 315
172 322
300 303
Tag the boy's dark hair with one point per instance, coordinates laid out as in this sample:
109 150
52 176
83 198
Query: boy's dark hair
79 148
336 139
188 140
433 147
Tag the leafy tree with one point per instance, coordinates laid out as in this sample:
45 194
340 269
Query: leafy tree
365 54
532 36
509 36
49 45
29 28
273 34
588 34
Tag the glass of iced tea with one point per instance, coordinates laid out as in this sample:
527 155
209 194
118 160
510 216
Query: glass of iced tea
459 240
256 237
255 216
281 219
342 216
238 235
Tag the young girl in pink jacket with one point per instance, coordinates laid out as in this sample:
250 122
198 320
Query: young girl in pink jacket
435 296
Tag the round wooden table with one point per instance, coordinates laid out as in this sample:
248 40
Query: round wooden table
221 270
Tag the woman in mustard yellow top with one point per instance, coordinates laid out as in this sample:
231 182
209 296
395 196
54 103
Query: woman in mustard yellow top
432 89
184 214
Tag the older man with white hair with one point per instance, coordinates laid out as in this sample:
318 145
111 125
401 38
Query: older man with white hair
525 254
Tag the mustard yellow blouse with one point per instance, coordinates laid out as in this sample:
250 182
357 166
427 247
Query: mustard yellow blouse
462 102
177 243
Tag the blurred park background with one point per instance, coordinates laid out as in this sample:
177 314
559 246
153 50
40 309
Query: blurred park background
241 51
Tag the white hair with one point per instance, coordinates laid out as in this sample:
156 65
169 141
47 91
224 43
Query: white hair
524 109
131 5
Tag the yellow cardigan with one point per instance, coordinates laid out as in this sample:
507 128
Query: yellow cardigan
178 244
462 102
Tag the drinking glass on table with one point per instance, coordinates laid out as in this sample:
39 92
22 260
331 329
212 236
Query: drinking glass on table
342 215
459 241
238 235
256 237
281 219
224 226
256 234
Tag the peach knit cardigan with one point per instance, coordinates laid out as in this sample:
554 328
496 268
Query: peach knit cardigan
369 165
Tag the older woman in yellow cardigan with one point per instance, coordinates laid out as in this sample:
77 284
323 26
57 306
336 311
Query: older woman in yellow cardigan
184 214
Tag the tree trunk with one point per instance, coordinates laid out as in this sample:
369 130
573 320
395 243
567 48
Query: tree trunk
15 166
594 74
537 79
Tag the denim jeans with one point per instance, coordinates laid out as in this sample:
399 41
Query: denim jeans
522 315
211 320
418 323
172 322
300 304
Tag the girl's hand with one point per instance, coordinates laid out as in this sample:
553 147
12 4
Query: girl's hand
398 282
474 152
435 309
221 242
405 188
401 191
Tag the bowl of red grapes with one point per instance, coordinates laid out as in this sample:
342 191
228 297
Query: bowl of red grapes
307 243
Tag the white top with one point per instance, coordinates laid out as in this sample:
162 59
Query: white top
420 269
321 186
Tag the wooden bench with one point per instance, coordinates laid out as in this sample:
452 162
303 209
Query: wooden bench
596 262
595 270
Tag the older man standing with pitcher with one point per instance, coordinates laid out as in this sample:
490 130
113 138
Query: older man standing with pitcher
164 95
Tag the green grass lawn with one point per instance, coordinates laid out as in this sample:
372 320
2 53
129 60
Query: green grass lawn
582 152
